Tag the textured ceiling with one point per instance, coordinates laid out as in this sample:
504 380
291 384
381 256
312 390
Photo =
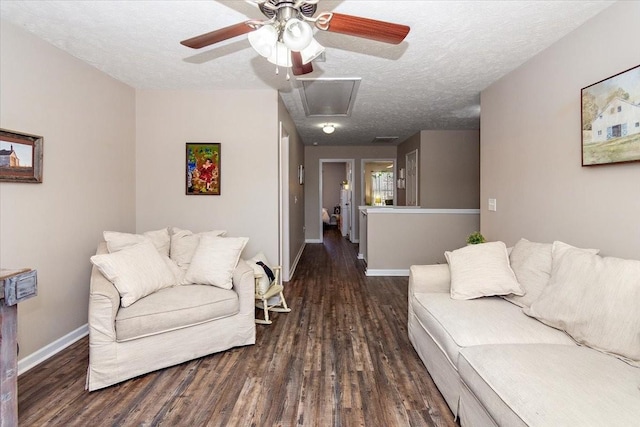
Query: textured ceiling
432 80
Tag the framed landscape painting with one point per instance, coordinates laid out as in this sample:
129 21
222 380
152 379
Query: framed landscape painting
611 119
20 157
203 169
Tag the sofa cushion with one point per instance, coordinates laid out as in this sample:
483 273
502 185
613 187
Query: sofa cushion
481 270
214 261
456 324
135 271
551 385
595 300
174 308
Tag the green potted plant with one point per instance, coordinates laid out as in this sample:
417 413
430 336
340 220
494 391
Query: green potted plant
475 238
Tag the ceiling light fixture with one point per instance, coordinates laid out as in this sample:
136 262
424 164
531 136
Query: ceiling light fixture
287 31
328 128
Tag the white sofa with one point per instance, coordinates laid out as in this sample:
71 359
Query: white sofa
168 326
497 366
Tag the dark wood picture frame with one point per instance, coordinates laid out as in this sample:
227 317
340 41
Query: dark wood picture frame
202 166
20 157
610 119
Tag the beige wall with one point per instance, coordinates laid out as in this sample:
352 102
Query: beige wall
531 152
332 176
398 240
87 120
312 157
248 204
449 169
407 146
294 202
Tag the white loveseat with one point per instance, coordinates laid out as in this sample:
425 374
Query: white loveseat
180 316
497 366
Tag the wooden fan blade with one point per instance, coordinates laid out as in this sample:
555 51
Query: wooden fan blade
298 67
372 29
217 36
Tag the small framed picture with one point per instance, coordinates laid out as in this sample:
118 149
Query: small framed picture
20 157
203 169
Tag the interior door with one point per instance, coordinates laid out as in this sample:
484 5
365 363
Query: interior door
412 178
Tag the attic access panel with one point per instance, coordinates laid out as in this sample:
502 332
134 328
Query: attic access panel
322 97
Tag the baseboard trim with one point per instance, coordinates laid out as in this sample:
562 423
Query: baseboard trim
292 270
379 272
313 241
52 349
360 256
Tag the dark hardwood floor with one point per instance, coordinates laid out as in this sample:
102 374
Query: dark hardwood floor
340 358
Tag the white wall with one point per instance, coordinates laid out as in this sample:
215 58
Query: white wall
531 149
88 123
246 124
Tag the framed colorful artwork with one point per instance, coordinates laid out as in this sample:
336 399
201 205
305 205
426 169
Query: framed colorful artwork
203 169
20 157
611 119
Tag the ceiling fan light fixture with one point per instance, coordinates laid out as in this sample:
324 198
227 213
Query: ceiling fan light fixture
281 56
312 51
297 34
328 128
263 40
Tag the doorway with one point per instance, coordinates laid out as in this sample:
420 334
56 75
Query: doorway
336 188
378 178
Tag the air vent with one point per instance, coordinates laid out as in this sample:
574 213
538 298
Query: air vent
384 139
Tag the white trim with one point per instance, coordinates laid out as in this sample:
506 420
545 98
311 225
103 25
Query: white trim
382 272
52 349
402 210
360 256
313 241
295 261
355 241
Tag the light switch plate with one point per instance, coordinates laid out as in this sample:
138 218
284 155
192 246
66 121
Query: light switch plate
492 205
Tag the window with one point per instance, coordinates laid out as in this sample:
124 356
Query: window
599 132
382 185
619 108
638 124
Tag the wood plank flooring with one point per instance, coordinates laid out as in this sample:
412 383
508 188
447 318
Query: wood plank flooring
340 358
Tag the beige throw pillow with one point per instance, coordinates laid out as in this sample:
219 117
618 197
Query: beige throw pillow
117 241
263 283
531 262
481 270
596 300
135 271
214 260
184 244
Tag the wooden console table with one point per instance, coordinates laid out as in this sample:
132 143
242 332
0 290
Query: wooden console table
15 286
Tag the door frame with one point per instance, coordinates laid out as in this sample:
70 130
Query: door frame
363 182
351 162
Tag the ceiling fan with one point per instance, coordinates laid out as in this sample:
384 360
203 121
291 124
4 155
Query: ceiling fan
285 38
